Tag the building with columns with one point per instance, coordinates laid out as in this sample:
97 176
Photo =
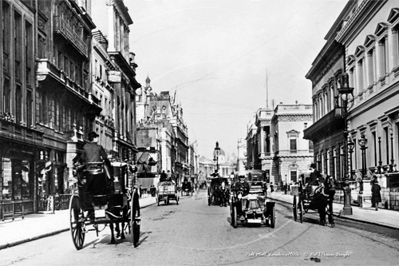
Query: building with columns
372 62
363 43
114 24
275 143
328 126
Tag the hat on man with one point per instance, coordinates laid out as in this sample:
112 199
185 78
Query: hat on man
92 135
312 165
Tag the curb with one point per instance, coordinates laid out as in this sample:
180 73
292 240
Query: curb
12 244
350 218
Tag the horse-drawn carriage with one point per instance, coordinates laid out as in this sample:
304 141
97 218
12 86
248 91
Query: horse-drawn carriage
187 189
318 198
217 195
167 191
111 202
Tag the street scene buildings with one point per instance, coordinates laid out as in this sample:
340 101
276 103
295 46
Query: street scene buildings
196 164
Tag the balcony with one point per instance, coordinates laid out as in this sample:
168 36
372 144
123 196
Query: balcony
45 69
325 126
62 27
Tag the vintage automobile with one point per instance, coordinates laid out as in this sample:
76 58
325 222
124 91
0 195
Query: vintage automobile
254 207
167 191
251 208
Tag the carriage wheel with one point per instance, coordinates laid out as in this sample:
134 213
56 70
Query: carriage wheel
134 222
77 225
330 215
234 217
300 207
295 209
273 218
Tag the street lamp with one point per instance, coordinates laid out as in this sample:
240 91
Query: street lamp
216 153
351 146
346 94
279 174
392 164
362 143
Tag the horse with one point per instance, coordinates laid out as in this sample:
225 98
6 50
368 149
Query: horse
323 200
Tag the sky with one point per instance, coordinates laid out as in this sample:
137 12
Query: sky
219 56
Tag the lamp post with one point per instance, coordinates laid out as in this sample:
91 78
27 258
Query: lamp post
216 153
392 164
362 143
346 94
279 173
351 146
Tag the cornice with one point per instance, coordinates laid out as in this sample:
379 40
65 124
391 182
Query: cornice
363 14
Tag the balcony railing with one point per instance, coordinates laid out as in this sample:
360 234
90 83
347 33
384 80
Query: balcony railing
62 27
44 68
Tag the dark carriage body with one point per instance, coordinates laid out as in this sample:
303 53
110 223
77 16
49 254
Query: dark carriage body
316 198
214 192
103 200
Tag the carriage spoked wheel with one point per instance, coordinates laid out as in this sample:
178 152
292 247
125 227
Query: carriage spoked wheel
135 218
295 209
273 218
301 210
234 216
77 222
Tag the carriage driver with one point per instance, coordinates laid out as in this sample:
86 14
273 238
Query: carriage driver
244 187
95 153
316 181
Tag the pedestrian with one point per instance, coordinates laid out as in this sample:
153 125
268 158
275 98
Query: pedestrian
375 194
285 188
371 184
141 191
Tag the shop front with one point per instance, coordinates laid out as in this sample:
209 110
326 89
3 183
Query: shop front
17 182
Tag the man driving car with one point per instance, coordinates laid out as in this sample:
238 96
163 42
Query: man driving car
243 186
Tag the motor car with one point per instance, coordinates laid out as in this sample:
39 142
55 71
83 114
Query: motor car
251 209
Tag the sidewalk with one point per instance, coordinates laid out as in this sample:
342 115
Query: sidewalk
382 217
38 225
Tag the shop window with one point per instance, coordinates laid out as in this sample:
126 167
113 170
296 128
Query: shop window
17 180
7 178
